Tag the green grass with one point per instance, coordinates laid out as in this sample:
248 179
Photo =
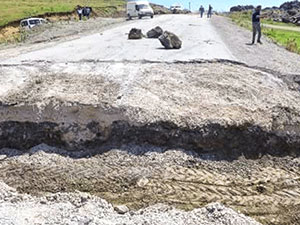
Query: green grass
271 22
289 39
13 10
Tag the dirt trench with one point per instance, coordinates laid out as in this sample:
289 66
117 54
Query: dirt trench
140 133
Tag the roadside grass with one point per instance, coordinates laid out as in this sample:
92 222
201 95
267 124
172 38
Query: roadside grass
19 9
289 39
271 22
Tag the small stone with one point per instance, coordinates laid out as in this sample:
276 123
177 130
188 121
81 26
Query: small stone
142 182
121 209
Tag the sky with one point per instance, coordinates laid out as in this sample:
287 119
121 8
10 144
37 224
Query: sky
219 5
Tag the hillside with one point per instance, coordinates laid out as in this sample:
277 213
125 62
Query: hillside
19 9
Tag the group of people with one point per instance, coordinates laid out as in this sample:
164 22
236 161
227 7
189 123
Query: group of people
256 16
83 11
209 11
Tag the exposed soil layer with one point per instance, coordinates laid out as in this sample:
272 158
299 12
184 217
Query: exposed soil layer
140 133
220 107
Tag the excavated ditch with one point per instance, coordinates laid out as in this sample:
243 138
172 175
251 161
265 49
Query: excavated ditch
225 142
141 133
55 108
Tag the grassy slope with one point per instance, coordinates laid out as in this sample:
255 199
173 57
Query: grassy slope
288 39
12 10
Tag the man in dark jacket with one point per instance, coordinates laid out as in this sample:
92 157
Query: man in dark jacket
256 28
209 12
201 9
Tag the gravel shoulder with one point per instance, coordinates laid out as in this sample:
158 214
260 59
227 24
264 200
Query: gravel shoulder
268 55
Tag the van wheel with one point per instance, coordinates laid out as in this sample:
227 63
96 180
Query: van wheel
152 17
140 17
129 17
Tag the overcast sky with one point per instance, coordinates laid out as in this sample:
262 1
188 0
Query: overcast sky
219 5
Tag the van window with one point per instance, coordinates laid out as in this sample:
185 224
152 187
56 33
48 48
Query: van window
32 22
24 23
143 6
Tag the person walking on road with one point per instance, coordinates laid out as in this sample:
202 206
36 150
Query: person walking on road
256 28
79 12
201 9
209 12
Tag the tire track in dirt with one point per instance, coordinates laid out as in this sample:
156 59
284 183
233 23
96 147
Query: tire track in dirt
264 192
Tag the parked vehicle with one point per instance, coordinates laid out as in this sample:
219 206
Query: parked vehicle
139 9
176 7
32 22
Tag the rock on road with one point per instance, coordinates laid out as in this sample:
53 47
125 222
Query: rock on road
200 41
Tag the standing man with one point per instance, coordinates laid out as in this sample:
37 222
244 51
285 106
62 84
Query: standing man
79 12
209 12
256 24
201 9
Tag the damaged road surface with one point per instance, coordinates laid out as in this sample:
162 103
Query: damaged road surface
219 110
138 130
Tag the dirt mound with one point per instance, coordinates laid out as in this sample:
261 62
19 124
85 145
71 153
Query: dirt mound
140 176
77 207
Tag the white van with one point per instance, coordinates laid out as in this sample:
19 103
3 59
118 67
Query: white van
139 9
32 22
176 7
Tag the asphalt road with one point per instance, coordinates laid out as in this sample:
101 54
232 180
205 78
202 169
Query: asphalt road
200 41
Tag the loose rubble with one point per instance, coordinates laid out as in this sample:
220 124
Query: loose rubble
288 12
81 208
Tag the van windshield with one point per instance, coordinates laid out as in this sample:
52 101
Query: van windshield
143 6
24 23
32 22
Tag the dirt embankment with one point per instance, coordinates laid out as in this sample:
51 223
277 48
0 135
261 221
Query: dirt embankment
12 32
225 108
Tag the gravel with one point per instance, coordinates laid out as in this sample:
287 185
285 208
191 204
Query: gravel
82 208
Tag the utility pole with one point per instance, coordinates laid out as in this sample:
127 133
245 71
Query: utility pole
190 6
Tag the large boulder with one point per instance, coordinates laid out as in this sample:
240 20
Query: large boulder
170 40
292 12
240 8
290 5
286 20
155 32
135 34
